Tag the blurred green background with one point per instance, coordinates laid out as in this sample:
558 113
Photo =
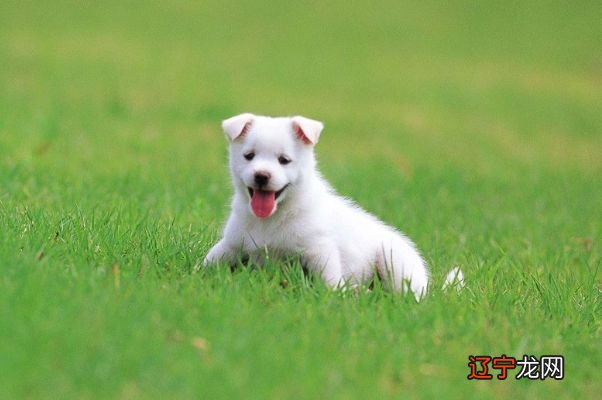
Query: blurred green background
474 126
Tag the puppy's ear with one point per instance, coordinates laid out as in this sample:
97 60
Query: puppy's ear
237 126
307 130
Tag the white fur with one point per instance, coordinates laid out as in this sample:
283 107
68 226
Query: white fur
454 279
334 237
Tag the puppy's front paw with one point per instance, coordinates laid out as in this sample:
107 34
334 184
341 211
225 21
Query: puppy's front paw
217 253
418 286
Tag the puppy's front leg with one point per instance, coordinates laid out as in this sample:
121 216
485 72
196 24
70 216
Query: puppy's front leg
325 260
222 251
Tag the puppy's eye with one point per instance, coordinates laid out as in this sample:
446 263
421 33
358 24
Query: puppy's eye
283 160
249 156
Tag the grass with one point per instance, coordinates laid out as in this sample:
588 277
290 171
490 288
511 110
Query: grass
475 127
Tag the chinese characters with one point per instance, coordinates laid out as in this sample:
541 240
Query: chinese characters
530 367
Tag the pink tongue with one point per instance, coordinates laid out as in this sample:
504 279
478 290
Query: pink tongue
263 203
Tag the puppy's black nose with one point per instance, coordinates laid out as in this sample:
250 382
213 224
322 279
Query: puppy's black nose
262 178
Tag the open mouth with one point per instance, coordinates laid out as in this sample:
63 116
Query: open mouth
263 202
276 194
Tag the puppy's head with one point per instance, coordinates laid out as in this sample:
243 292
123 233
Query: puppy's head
269 157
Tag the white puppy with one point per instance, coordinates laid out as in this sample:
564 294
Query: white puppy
283 207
